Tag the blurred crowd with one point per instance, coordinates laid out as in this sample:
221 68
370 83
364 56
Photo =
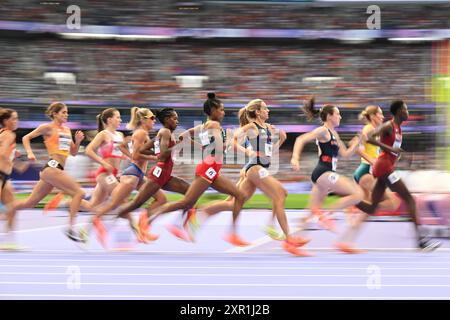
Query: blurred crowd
278 72
209 14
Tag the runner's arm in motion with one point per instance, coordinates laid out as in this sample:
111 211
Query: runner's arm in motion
92 147
383 130
42 130
319 133
124 147
249 130
75 146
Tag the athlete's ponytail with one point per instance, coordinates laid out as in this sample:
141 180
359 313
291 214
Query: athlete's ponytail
102 118
311 113
137 115
367 112
242 115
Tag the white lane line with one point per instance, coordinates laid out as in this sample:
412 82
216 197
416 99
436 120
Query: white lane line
192 254
62 226
226 253
211 297
295 261
161 284
104 274
216 267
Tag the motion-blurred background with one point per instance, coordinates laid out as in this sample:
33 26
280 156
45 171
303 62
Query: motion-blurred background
98 54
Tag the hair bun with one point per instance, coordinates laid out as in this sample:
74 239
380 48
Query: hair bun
211 95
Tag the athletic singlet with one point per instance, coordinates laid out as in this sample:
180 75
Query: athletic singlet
394 140
169 160
328 152
59 142
111 149
262 145
207 140
370 149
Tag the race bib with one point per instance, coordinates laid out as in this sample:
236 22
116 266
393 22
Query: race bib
334 164
157 148
110 179
268 150
393 177
204 138
263 173
53 163
157 172
211 173
65 142
333 177
397 142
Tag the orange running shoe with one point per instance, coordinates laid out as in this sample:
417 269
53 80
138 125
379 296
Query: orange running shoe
346 248
101 232
143 227
235 240
298 241
178 232
324 220
294 250
54 202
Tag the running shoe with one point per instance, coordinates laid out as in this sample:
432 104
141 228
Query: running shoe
294 250
325 221
347 248
191 224
235 240
101 232
428 245
144 234
274 233
72 235
298 241
178 232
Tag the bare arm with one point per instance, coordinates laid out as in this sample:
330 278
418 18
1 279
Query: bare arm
300 142
383 130
282 136
139 138
165 151
248 130
123 147
345 152
92 148
187 136
74 147
42 130
6 141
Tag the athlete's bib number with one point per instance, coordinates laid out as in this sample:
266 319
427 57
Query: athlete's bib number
157 148
393 178
268 150
53 163
211 173
111 179
64 143
263 173
334 164
397 142
157 172
204 138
